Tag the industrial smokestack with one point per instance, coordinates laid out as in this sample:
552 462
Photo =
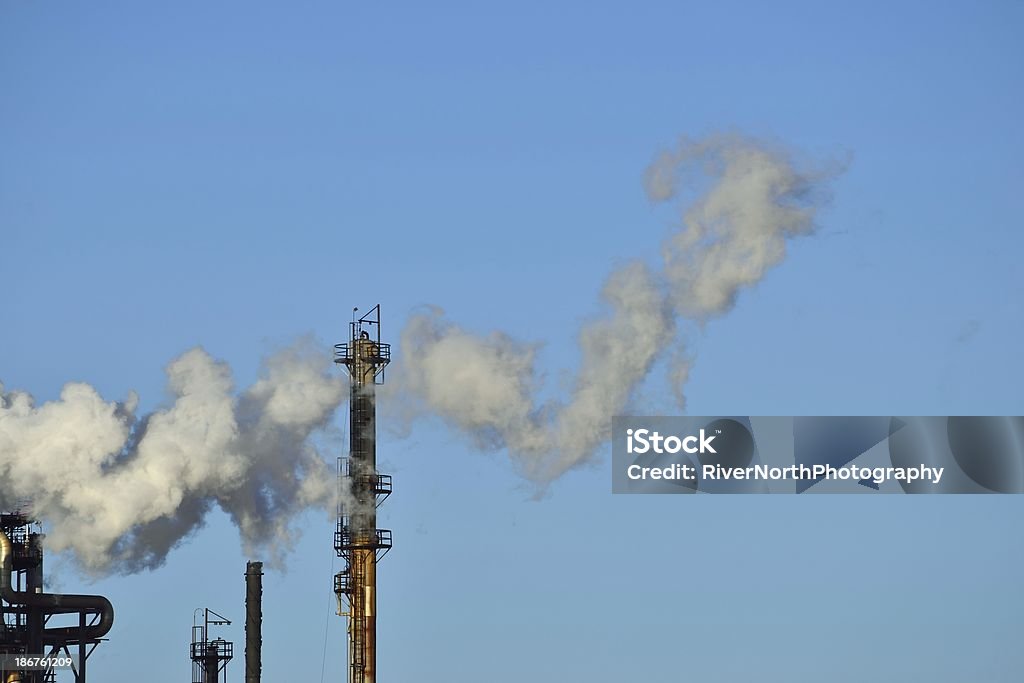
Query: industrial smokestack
357 539
253 621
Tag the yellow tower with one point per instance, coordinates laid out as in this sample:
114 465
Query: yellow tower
357 539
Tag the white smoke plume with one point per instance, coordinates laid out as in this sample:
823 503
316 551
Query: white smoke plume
120 491
736 231
485 386
749 198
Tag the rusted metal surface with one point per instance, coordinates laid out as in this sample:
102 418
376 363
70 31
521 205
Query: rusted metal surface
358 540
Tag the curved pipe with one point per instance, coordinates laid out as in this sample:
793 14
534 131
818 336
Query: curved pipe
82 603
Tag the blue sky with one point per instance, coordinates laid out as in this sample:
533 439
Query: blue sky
235 176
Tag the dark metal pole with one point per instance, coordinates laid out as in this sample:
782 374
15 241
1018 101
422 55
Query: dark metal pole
80 678
253 621
34 586
212 664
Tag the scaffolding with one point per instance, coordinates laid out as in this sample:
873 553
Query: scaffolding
210 657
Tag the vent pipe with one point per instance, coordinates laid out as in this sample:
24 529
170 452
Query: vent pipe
253 621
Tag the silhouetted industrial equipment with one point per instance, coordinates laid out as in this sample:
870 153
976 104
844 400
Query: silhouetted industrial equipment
209 657
357 538
25 610
253 621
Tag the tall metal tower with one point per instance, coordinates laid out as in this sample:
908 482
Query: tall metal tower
357 538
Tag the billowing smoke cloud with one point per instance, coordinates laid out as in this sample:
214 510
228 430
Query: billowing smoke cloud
120 491
748 199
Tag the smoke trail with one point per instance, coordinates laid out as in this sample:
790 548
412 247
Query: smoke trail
737 230
121 491
750 199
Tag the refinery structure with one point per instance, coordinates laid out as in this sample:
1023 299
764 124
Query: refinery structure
357 539
26 611
32 650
